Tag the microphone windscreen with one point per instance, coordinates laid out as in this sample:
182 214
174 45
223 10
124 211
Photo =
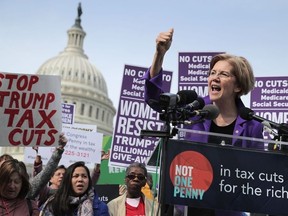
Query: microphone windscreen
201 103
212 111
186 97
246 113
155 105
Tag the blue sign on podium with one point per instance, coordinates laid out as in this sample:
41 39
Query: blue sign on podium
226 177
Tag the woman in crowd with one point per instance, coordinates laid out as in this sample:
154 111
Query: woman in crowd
54 184
40 180
75 195
41 177
133 201
5 157
56 179
14 187
229 78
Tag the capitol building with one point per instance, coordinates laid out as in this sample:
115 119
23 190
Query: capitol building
82 84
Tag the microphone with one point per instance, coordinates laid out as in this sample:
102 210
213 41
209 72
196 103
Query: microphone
209 112
249 114
186 96
169 100
196 104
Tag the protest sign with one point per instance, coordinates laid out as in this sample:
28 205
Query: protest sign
194 70
269 98
68 113
225 177
133 116
84 144
30 110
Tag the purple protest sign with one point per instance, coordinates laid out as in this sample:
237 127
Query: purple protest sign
133 116
269 98
194 70
68 112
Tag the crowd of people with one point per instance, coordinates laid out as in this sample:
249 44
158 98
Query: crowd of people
69 191
59 190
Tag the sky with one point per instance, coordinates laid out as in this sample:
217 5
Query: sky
124 32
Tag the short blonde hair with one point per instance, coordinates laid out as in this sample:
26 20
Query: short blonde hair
242 70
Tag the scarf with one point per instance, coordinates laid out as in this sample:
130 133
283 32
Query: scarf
85 205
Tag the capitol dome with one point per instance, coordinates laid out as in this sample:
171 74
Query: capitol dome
82 83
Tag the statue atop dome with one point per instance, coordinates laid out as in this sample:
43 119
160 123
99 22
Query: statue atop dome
79 10
78 19
83 80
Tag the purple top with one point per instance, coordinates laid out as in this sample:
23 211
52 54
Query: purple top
242 127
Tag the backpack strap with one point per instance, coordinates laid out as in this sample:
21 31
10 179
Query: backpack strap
29 206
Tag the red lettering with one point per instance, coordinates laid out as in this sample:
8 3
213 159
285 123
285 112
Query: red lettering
39 98
51 134
1 77
28 117
46 119
25 100
11 78
24 82
26 137
34 79
11 136
39 134
15 96
50 99
3 94
12 113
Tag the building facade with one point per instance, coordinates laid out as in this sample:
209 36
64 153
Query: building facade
82 84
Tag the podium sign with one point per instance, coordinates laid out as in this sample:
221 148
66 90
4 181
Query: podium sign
226 177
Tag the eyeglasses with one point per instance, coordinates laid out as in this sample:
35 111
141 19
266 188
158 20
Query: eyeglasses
221 74
133 176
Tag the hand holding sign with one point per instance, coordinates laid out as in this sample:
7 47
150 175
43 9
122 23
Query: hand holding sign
62 141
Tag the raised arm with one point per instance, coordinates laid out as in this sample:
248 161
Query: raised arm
42 178
153 76
163 43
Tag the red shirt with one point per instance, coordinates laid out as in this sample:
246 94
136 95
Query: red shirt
135 211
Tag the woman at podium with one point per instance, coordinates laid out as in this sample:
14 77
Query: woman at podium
229 78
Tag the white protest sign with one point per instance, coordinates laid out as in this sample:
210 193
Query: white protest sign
84 144
83 127
30 110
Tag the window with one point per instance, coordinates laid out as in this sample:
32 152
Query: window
90 110
82 109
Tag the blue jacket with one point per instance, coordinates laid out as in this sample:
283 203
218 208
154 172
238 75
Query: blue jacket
99 207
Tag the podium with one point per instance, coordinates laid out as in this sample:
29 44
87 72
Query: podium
223 175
